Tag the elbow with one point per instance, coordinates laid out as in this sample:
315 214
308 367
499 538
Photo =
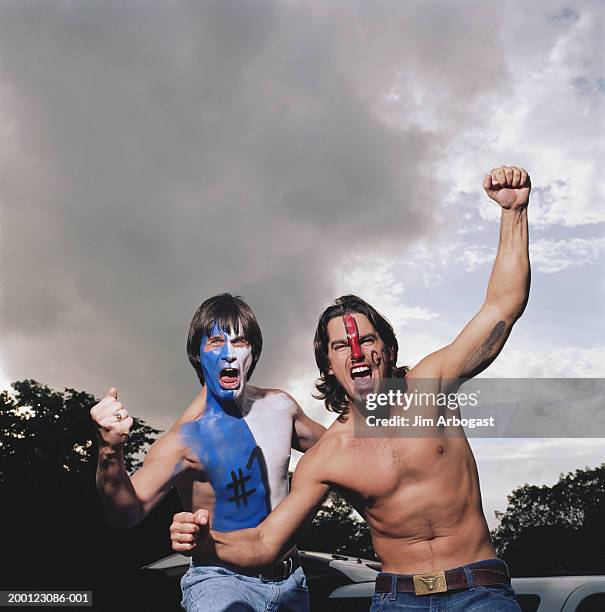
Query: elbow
263 559
269 553
516 308
246 549
510 301
508 309
260 553
521 309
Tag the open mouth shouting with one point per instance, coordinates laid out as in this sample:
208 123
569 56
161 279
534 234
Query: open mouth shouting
361 373
229 378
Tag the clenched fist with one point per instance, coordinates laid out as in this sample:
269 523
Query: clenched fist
112 420
509 186
185 531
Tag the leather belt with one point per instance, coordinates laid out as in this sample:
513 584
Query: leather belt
281 570
440 582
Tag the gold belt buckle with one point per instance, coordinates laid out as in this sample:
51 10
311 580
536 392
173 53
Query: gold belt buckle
427 584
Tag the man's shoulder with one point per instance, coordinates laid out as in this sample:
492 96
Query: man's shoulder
275 398
267 391
171 443
323 460
331 445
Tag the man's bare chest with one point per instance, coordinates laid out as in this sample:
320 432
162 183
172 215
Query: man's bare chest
373 469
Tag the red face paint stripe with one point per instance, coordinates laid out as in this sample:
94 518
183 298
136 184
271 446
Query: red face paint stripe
353 337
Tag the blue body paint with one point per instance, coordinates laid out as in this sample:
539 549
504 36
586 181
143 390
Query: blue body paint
226 448
235 467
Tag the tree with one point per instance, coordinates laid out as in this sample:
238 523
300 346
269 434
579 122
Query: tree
52 527
42 431
336 528
555 529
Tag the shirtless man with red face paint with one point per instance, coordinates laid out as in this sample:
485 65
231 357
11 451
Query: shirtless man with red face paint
420 495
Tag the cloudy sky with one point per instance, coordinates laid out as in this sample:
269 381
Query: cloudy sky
154 154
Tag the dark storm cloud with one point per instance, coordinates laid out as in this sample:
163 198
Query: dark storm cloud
157 153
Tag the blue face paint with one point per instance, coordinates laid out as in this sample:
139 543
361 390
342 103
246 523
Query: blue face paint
215 360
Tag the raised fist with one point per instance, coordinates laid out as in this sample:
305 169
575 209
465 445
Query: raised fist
112 420
509 186
188 531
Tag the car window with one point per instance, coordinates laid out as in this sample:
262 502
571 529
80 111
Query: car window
592 603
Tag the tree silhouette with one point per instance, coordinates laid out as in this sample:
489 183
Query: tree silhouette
42 431
52 527
337 529
559 529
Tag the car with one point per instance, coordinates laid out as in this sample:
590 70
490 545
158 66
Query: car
561 593
339 582
336 582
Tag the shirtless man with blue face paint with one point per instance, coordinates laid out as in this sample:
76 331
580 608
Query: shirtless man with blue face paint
229 454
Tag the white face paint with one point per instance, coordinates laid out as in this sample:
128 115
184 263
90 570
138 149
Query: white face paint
226 359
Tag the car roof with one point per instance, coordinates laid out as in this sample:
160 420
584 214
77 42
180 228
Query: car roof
354 568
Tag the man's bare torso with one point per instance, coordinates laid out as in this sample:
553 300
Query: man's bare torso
420 496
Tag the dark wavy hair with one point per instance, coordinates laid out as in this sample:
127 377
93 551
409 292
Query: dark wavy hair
328 388
229 312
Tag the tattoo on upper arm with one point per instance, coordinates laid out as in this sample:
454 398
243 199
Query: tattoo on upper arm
484 352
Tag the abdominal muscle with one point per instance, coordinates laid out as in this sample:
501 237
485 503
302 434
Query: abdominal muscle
447 548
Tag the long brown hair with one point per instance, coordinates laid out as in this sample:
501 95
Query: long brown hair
229 312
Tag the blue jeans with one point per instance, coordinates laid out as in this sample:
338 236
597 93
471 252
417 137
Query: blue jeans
495 598
217 589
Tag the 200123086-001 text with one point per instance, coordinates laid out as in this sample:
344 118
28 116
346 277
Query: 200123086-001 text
23 598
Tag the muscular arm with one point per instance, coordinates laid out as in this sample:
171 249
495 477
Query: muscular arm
482 339
264 544
127 500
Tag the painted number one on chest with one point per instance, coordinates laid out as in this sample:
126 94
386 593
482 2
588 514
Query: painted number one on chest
239 480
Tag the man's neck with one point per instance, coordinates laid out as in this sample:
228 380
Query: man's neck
228 406
358 413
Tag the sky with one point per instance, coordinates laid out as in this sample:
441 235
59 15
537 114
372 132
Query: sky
155 154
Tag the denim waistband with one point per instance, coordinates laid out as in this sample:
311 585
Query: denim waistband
281 569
